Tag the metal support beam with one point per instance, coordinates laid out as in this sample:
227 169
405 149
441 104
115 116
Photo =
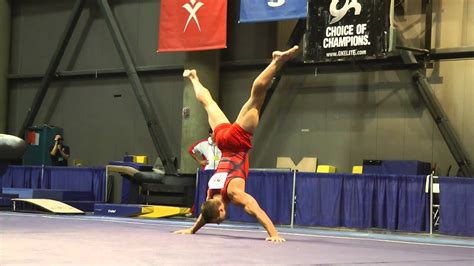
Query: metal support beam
429 23
5 36
439 116
416 50
297 33
390 63
100 73
158 135
462 53
53 65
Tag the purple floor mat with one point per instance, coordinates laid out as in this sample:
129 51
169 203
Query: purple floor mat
51 239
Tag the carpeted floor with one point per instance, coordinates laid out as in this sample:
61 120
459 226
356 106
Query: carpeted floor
41 239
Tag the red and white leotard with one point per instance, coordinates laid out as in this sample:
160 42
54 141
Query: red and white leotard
235 143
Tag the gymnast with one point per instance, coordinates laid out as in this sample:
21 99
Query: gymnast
227 185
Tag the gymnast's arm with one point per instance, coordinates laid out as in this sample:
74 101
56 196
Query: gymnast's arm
200 222
251 207
197 225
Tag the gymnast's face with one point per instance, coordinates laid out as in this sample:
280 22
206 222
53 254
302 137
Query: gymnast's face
221 216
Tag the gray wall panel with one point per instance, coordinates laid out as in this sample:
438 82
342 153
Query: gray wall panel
468 125
127 16
97 126
91 46
390 119
341 118
20 99
244 40
15 37
148 32
310 113
39 27
166 94
364 123
234 91
452 90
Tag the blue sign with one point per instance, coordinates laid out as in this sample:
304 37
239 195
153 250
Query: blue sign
272 10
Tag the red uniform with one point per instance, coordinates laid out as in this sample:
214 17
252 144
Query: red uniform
235 143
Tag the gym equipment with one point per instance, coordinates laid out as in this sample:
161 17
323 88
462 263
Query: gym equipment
53 206
136 210
326 169
82 200
11 147
54 194
405 167
120 210
141 185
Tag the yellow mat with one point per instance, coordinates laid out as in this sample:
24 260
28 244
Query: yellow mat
357 169
326 169
53 206
147 210
164 211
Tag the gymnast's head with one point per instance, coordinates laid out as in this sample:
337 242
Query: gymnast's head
213 211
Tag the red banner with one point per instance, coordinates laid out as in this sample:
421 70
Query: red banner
192 25
33 138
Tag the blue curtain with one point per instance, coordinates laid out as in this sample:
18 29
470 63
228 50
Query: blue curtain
271 189
22 177
201 190
456 206
413 209
3 170
358 194
77 179
385 203
361 201
65 178
319 200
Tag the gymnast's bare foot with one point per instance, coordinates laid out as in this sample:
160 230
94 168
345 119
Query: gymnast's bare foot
281 57
190 73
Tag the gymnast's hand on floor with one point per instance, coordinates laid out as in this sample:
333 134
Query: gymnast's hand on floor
188 231
276 239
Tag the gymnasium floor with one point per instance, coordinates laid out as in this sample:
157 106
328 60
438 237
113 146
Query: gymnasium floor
84 240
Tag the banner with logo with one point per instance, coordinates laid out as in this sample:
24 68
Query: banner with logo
340 30
192 25
271 10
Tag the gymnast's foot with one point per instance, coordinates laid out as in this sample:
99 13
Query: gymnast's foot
190 74
281 57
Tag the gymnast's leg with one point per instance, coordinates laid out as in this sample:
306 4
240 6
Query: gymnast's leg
250 112
214 112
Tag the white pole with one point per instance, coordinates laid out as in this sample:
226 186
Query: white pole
431 203
42 174
197 178
106 183
293 200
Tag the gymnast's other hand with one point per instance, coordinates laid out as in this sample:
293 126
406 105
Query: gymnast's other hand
276 239
187 231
